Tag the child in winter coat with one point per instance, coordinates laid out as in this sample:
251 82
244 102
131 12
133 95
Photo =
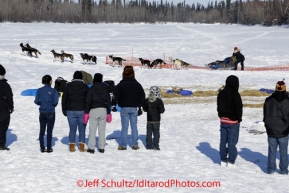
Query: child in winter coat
154 106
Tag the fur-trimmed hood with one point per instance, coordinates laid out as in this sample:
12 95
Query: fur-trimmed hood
152 98
238 50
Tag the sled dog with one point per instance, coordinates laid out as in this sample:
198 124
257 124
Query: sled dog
57 55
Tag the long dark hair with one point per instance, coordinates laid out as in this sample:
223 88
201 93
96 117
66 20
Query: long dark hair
46 79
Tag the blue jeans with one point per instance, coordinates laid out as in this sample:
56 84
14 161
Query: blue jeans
229 140
75 120
272 149
128 115
46 119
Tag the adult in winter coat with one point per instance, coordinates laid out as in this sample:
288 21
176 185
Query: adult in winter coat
276 119
129 94
154 106
98 105
47 98
239 58
230 110
6 107
73 106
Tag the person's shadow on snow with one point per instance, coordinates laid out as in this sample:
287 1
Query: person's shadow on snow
10 137
54 139
206 149
255 158
142 138
117 136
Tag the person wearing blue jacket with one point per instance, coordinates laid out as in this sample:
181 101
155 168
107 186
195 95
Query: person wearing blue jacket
47 98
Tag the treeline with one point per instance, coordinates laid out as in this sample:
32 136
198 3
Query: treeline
266 12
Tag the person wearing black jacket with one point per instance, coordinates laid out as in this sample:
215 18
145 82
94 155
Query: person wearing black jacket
154 106
98 105
6 107
276 120
130 95
73 106
230 110
239 58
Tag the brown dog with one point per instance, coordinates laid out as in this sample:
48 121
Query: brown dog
66 55
57 55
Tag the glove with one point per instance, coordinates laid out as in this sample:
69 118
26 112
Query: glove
114 109
11 111
108 118
85 118
139 112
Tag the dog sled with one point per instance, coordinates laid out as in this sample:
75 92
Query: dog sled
226 64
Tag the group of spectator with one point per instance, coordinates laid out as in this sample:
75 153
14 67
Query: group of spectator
82 104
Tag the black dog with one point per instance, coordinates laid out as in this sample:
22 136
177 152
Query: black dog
87 57
145 62
157 62
118 59
29 50
33 49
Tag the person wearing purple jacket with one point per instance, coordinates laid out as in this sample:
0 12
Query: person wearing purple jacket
47 98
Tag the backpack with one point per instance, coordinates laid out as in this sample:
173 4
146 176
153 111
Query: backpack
60 84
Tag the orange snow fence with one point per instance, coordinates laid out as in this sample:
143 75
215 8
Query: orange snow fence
133 61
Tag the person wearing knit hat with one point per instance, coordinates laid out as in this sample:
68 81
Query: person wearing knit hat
276 121
280 86
73 106
239 58
129 95
98 109
154 107
6 100
77 75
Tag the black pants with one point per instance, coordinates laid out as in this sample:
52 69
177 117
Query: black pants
4 124
153 129
46 120
236 65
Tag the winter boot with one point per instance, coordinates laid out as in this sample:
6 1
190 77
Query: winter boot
81 147
72 147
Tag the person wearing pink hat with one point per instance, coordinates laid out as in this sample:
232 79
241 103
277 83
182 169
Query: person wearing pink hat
239 58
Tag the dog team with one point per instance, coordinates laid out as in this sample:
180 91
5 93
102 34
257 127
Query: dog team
176 63
89 58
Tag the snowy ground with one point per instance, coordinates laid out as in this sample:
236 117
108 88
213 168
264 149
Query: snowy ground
189 132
